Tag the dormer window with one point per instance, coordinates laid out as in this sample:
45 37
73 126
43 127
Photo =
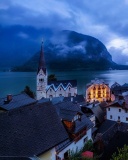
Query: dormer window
77 117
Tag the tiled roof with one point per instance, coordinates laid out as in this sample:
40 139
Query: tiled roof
30 130
118 141
83 122
18 100
67 111
76 99
18 158
106 125
63 84
98 112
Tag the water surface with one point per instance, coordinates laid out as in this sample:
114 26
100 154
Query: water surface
15 82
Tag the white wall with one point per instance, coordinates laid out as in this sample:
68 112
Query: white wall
93 120
76 146
114 112
49 155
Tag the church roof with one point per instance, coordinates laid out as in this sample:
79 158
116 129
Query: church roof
62 83
18 100
30 130
42 60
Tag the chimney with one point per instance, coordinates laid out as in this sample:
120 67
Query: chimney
9 97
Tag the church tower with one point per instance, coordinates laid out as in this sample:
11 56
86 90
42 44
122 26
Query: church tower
41 77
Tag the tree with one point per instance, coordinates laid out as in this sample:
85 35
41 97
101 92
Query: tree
52 77
122 154
28 91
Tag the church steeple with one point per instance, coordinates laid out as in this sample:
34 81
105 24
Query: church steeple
41 76
42 60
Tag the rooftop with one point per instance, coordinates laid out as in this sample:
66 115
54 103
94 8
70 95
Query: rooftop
30 130
17 101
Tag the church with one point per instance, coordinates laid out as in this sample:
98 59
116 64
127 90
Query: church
49 89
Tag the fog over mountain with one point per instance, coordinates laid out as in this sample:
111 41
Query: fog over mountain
24 23
69 50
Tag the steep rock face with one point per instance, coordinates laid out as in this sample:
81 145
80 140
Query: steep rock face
71 50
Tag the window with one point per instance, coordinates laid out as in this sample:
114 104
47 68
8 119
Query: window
85 139
60 89
108 109
69 94
60 95
126 118
110 116
69 88
118 117
41 80
119 110
50 97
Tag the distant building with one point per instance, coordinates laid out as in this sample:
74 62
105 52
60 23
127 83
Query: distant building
117 89
51 89
118 110
97 90
15 101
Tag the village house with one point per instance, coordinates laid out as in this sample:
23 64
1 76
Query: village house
78 126
97 90
15 101
118 109
49 89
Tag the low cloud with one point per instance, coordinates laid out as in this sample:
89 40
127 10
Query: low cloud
105 20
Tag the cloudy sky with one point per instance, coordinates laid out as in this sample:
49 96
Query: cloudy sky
106 20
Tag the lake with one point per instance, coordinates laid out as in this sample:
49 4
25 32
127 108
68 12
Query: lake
15 82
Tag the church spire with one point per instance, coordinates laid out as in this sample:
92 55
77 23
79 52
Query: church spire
42 60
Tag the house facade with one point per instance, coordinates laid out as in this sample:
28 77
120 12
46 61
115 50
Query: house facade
46 89
78 126
118 110
97 90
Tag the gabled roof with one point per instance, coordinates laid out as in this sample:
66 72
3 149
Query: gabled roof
62 83
98 112
119 103
17 101
96 81
115 85
119 139
125 85
83 122
76 99
67 111
106 125
30 130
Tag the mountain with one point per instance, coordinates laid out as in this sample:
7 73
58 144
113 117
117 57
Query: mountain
19 43
69 50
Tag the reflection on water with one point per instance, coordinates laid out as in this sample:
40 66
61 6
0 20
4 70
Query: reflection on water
15 82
